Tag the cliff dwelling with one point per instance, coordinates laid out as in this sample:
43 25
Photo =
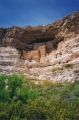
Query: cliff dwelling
39 51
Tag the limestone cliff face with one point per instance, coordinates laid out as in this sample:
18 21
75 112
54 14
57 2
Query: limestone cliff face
57 31
8 59
35 49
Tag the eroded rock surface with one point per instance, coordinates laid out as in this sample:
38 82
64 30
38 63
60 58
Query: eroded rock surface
9 57
57 31
36 50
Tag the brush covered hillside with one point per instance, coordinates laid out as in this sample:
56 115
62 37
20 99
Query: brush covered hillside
41 52
22 99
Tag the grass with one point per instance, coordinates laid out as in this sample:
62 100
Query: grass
66 66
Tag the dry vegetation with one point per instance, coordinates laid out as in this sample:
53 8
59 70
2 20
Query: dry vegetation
26 100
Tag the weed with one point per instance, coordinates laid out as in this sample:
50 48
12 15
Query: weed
66 66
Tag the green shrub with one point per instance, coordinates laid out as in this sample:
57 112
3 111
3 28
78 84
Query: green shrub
66 66
57 68
24 100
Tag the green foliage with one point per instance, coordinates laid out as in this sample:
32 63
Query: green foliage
36 109
57 68
8 86
2 81
22 99
66 66
14 83
3 94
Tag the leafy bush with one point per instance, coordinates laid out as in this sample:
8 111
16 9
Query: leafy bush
25 100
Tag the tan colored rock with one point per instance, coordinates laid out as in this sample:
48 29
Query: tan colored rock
36 50
56 32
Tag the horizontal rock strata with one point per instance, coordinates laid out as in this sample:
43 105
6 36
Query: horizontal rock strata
36 50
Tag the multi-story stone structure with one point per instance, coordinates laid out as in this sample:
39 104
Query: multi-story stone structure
39 51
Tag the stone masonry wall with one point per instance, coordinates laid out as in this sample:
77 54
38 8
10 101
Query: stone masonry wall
42 51
49 44
34 54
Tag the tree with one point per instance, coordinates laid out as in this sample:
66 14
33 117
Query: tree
14 83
